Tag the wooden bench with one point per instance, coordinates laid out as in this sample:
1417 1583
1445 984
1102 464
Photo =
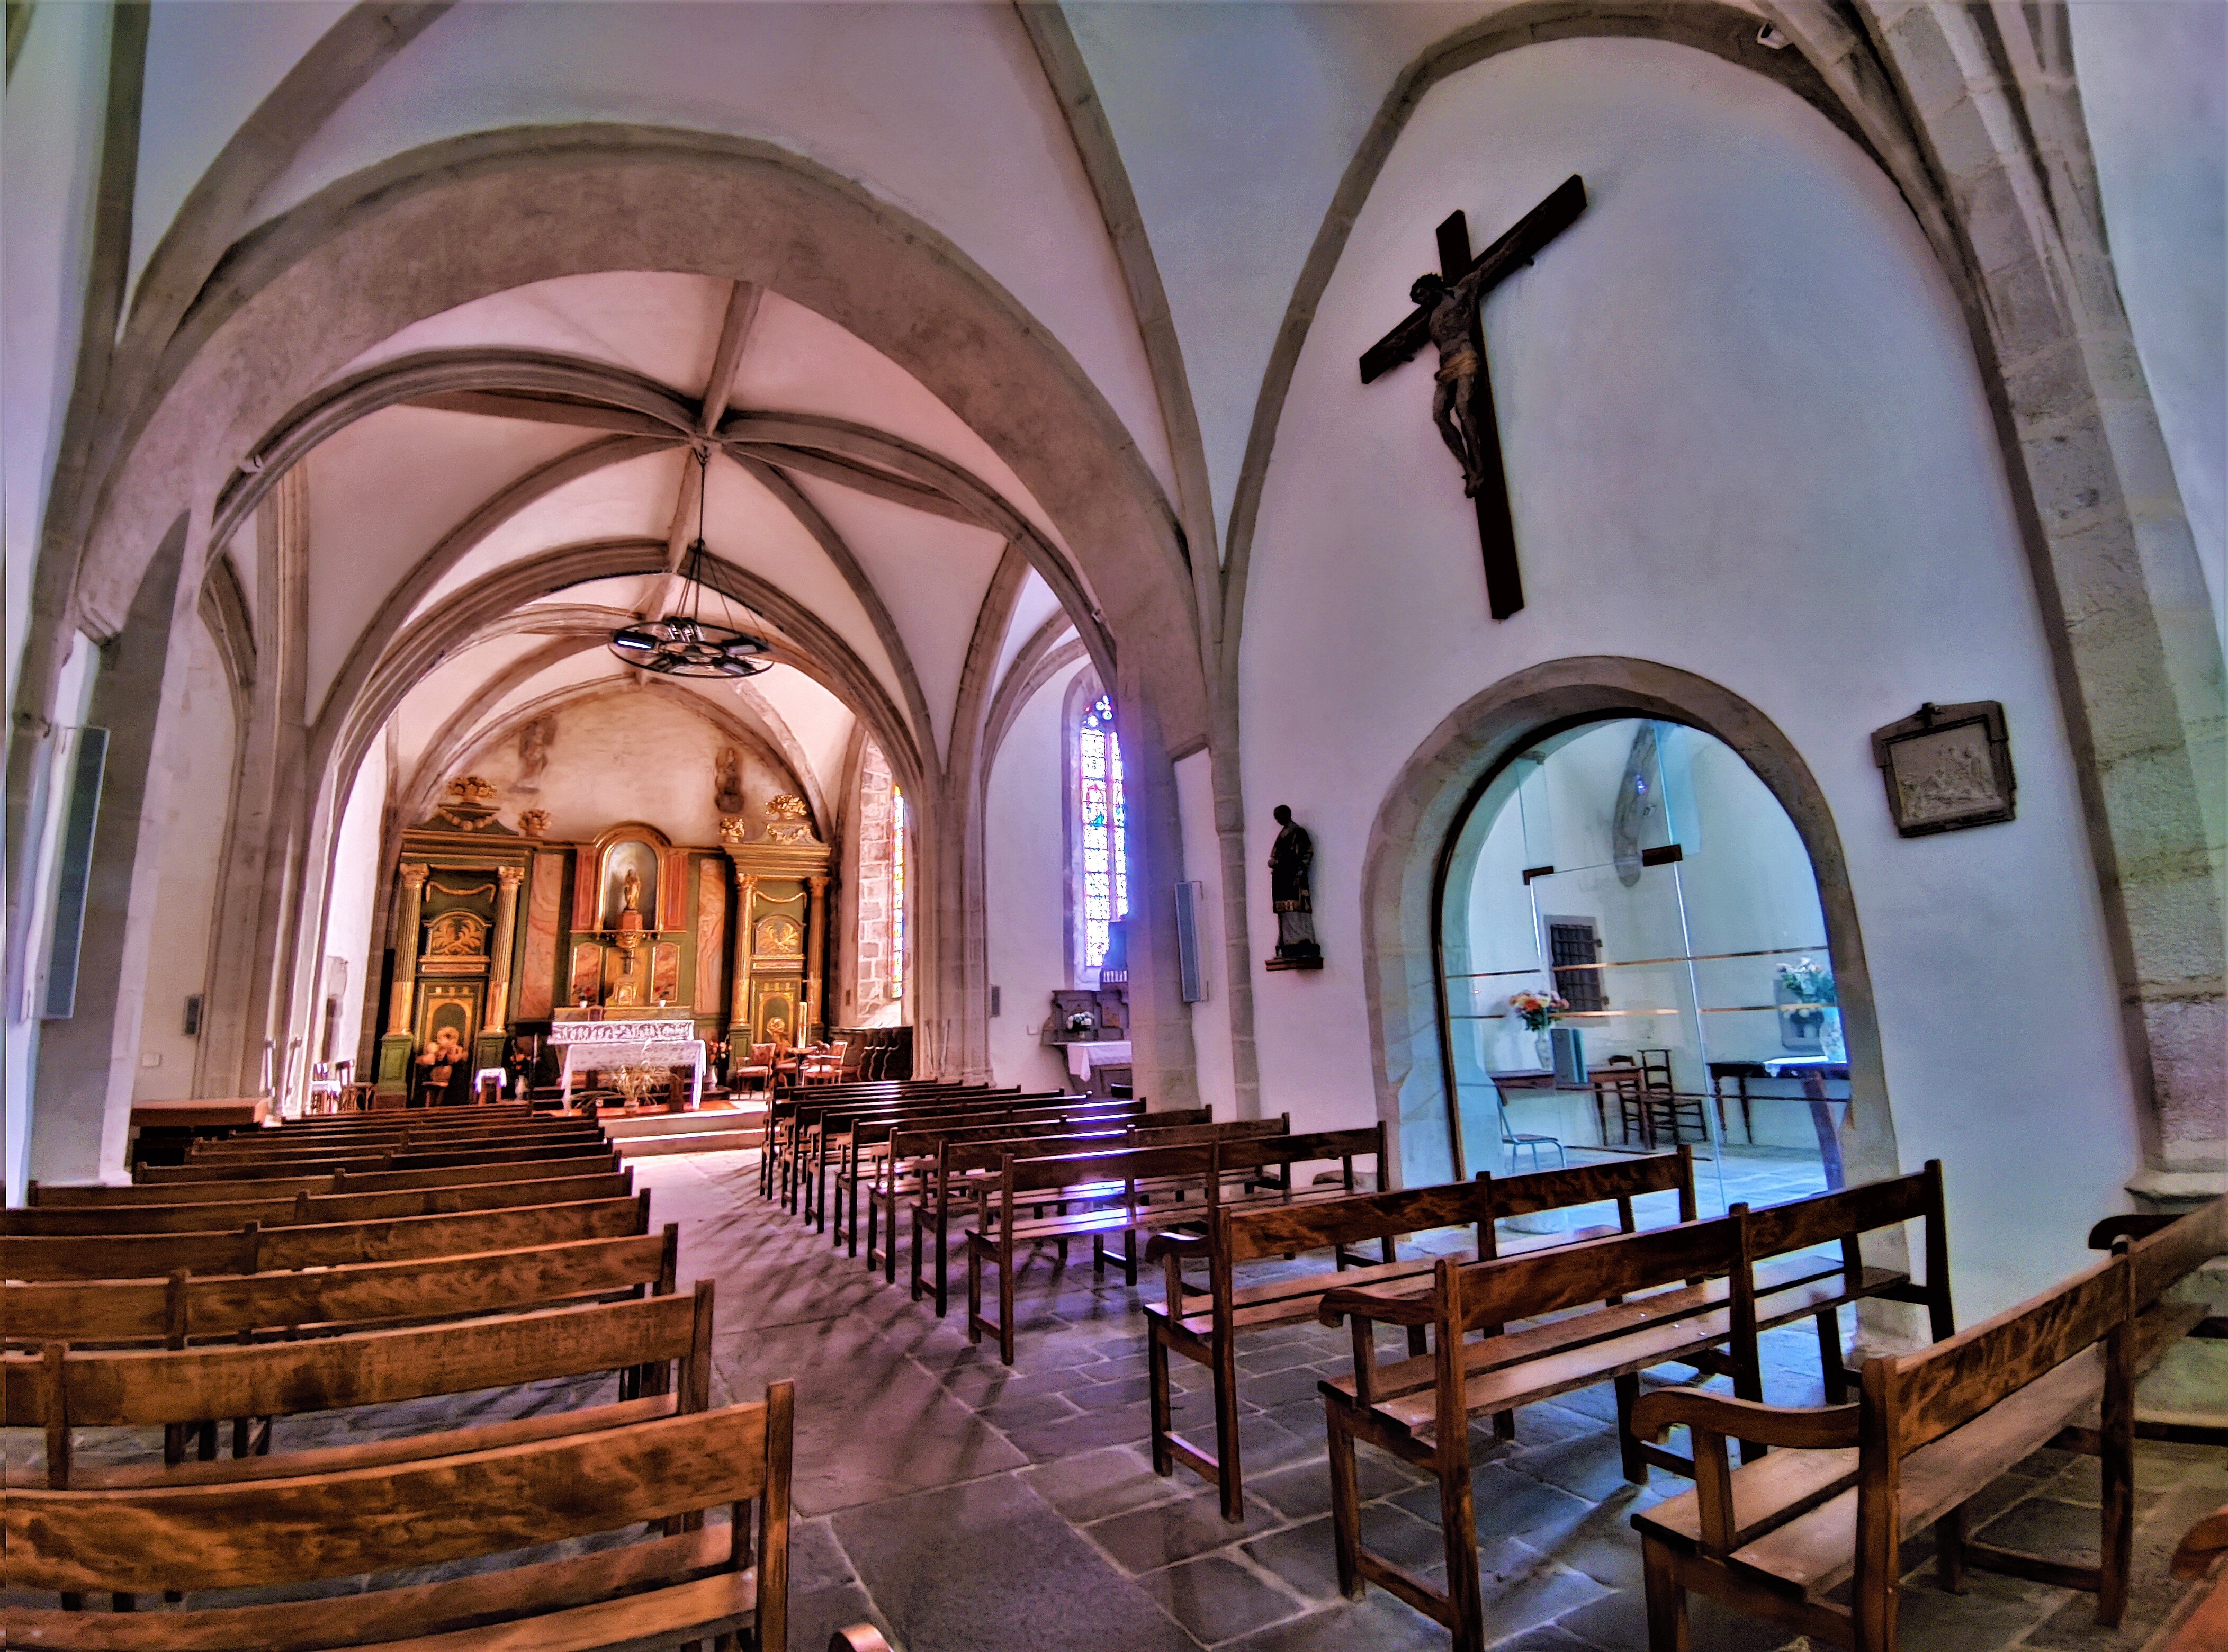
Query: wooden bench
1775 1539
662 1345
1136 1190
834 1141
669 1585
2200 1624
2160 1264
183 1306
1205 1327
77 1197
397 1153
966 1168
253 1249
778 1167
869 1161
820 1124
304 1208
1697 1295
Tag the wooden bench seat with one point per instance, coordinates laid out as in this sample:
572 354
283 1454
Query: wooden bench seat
662 1345
254 1249
183 1307
1207 1332
779 1166
1696 1295
1929 1431
667 1587
306 1208
606 1162
825 1128
1143 1189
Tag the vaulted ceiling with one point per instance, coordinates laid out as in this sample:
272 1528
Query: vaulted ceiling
494 489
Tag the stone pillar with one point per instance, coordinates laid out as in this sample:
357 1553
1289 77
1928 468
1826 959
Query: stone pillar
497 1019
815 957
412 876
739 1019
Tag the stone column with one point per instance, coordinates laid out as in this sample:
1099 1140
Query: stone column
497 1019
739 1019
816 955
412 875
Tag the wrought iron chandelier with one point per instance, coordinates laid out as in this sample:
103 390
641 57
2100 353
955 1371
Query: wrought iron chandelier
689 645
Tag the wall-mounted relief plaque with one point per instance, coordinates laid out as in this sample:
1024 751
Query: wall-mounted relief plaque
1946 767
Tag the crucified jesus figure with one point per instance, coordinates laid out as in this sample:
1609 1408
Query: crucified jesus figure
1451 320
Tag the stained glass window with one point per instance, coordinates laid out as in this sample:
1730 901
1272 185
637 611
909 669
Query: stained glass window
1098 800
896 893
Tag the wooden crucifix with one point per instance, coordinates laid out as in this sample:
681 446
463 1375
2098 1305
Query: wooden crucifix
1446 315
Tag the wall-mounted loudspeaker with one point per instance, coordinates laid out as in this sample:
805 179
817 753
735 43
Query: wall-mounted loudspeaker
993 1001
193 1016
1191 956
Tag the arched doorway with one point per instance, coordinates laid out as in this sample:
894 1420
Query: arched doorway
1633 953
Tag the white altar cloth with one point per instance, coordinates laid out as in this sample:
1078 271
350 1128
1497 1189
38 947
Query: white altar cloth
595 1044
1084 1059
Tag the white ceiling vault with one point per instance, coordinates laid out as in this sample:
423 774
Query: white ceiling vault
493 490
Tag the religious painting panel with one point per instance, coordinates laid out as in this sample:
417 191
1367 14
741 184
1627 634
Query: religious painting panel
665 972
588 972
545 895
449 1013
626 975
711 925
773 1009
777 939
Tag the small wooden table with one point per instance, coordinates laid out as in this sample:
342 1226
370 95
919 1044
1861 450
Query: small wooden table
1813 1072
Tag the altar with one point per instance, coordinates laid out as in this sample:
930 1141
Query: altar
590 1045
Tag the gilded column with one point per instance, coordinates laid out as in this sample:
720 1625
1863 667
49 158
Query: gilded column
739 1022
506 927
816 952
405 948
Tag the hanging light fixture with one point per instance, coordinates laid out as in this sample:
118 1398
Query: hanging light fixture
689 645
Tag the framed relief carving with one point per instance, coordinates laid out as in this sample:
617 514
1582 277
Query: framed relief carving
1946 767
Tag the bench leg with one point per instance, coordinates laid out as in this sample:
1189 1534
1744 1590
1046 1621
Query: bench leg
1667 1601
1230 1473
1830 1362
943 1264
973 1295
1345 1504
1129 1257
1628 1447
1160 1397
919 1221
1458 1531
1949 1552
1005 1305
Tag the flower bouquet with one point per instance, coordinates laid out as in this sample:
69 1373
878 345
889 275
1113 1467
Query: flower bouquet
1806 981
1539 1010
1082 1024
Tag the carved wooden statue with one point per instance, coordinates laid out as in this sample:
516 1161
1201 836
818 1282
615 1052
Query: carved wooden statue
1291 897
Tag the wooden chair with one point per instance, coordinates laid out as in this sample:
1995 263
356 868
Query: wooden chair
1207 1332
683 1580
2200 1622
1777 1538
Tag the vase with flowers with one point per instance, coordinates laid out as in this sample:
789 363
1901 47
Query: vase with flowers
1809 983
1540 1011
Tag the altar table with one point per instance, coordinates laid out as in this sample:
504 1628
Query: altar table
603 1044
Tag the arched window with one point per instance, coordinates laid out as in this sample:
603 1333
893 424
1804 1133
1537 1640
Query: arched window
897 891
1099 808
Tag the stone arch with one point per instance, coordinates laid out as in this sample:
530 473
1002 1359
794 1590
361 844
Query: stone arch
1404 866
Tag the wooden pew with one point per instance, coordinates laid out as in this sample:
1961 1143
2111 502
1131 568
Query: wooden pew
183 1307
2200 1622
2159 1265
81 1196
667 1339
1205 1327
777 1169
540 1144
665 1586
306 1208
254 1249
815 1115
1696 1295
1929 1430
1121 1188
868 1158
966 1168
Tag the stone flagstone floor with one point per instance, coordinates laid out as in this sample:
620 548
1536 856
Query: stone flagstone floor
960 1505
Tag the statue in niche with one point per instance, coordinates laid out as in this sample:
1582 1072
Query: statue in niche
534 741
444 1071
1290 897
630 890
727 775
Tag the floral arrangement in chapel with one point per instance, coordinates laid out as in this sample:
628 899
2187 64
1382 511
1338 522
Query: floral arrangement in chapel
1539 1010
1808 981
1082 1023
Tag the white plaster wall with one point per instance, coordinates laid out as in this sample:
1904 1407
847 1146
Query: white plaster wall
50 123
201 755
628 757
1746 439
2154 91
1024 821
1202 860
940 109
356 875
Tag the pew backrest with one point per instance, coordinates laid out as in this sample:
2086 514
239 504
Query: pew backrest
190 1192
304 1208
